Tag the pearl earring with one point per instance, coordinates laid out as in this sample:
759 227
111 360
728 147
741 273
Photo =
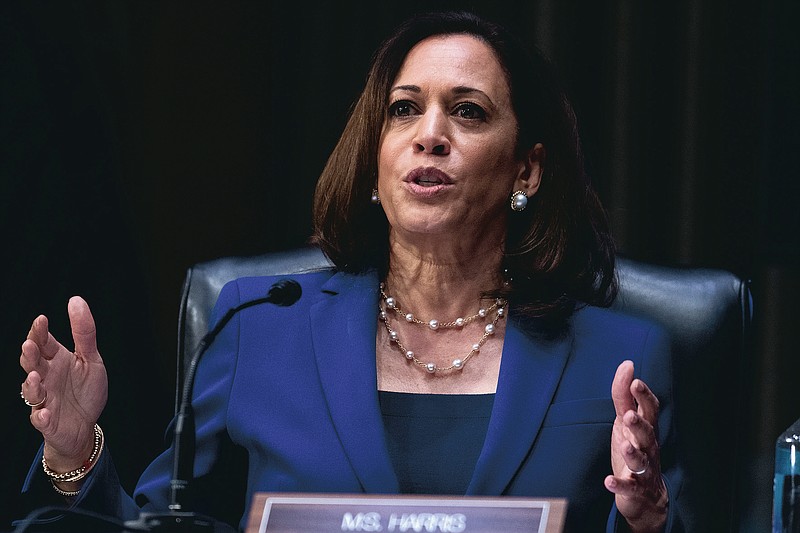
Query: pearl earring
375 198
519 201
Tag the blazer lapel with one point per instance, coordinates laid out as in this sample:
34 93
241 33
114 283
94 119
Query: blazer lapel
343 329
529 375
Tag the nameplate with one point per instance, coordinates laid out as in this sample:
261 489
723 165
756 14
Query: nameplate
322 513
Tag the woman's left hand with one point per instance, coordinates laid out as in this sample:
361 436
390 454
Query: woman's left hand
641 495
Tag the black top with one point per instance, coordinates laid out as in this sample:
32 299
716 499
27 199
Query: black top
434 440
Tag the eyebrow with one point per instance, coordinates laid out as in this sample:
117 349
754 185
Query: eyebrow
411 88
459 89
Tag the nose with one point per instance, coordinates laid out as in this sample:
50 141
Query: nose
432 135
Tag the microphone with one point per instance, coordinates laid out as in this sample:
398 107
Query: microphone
283 293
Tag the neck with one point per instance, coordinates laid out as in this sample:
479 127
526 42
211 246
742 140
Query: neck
442 281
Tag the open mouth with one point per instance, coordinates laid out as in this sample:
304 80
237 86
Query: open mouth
428 181
428 177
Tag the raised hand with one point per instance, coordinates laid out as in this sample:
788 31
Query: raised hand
641 495
67 390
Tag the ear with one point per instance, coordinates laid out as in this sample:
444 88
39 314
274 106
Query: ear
531 168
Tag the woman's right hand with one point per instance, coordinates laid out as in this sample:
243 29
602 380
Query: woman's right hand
73 385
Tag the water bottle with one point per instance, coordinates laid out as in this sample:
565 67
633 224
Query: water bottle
786 489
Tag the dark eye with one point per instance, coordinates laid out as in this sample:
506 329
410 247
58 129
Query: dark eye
470 111
401 108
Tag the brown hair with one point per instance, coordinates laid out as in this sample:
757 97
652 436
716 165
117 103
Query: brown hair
559 250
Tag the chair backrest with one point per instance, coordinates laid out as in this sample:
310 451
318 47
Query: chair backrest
707 313
204 281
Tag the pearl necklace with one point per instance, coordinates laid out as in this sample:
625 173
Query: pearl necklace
389 303
459 322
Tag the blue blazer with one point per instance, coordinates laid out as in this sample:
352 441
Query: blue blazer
295 387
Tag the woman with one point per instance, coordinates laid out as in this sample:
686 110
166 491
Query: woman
455 202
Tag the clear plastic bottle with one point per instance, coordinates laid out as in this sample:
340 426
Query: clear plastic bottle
786 489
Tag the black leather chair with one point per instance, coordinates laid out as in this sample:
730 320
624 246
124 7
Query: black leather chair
707 312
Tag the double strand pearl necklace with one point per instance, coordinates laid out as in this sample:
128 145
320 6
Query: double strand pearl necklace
390 304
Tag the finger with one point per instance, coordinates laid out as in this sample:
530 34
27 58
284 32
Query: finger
30 357
640 433
33 390
621 388
41 420
38 331
47 344
40 335
621 486
636 460
648 403
83 329
632 488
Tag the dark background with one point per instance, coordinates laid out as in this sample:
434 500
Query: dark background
137 138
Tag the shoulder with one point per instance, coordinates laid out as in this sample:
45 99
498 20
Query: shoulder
595 327
258 286
606 333
598 340
602 325
314 286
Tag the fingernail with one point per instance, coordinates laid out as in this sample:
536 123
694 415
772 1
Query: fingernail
612 483
639 386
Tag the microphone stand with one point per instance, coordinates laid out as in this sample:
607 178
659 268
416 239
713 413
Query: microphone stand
180 518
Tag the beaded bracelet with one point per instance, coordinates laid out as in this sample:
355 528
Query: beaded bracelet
65 493
83 470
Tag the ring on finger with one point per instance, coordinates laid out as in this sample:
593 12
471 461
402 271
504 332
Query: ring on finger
644 467
33 405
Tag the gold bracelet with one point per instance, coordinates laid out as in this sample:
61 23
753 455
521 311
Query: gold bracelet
65 493
83 470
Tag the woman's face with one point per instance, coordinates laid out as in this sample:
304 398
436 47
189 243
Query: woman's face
447 162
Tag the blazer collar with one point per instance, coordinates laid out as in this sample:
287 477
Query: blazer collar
344 327
530 372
